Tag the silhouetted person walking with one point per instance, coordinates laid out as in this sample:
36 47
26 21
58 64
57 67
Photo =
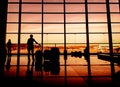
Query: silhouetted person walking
30 46
9 46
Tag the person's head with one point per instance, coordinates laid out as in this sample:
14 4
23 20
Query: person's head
31 35
9 40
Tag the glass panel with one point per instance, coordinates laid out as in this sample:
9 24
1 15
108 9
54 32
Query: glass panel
13 0
116 38
114 0
75 0
13 37
98 28
24 38
31 28
115 27
31 0
12 18
100 7
31 8
75 8
31 18
53 28
114 8
53 1
96 0
76 38
53 7
116 47
97 18
12 28
14 41
75 28
115 17
103 48
13 8
98 38
75 18
53 18
54 40
50 38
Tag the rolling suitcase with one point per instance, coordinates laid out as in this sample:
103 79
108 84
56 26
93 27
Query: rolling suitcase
38 60
47 54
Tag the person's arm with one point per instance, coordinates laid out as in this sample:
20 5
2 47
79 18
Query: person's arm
36 42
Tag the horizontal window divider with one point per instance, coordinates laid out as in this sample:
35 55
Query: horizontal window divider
13 3
103 22
62 33
102 2
62 12
68 43
75 43
25 12
62 22
61 2
25 2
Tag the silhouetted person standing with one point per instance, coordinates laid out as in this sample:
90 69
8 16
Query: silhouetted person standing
9 46
9 49
30 46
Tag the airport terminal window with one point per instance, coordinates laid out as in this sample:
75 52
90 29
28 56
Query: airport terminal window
62 23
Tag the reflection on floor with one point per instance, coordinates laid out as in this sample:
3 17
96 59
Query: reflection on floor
72 72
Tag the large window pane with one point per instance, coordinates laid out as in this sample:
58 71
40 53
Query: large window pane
99 28
98 38
12 18
99 7
31 0
31 18
53 28
75 18
115 27
31 8
14 40
75 8
12 28
97 18
75 28
115 17
13 7
53 18
50 38
53 8
76 38
31 28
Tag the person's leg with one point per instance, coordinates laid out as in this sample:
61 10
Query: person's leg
9 53
33 54
28 55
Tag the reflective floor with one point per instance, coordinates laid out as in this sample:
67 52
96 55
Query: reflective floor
72 72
